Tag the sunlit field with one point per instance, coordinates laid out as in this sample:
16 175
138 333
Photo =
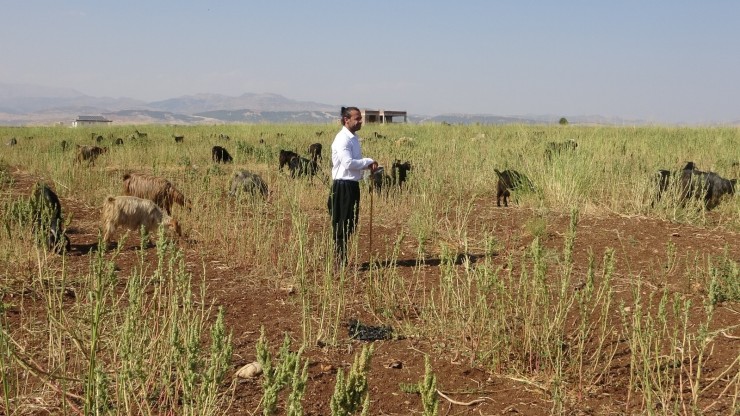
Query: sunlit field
586 295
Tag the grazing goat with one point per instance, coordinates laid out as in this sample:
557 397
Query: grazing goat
379 179
398 176
314 151
399 172
663 179
12 142
284 158
509 180
221 155
119 141
89 153
300 166
154 188
707 186
246 182
696 184
179 138
132 213
47 218
554 149
99 139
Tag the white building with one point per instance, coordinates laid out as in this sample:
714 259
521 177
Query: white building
91 121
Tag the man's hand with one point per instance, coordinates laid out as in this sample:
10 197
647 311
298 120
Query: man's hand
373 167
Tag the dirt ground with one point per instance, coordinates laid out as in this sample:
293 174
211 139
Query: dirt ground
640 247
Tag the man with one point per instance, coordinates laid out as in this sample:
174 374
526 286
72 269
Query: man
347 166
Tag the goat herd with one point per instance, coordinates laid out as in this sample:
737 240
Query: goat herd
147 200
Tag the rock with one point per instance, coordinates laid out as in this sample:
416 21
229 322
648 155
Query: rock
250 370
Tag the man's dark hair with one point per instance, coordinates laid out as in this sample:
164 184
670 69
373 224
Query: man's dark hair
346 111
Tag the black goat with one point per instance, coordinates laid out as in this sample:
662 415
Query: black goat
696 184
314 150
221 155
398 176
300 166
554 148
47 219
509 180
285 157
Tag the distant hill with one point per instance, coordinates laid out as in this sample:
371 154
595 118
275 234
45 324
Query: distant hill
22 104
251 116
191 104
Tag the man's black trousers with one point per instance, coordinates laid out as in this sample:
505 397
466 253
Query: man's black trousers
344 208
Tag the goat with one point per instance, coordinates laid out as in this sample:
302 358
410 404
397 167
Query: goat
399 172
663 179
284 158
89 153
47 218
133 213
707 186
300 166
119 141
140 135
696 184
12 142
314 150
178 138
379 180
154 188
554 148
221 155
243 182
509 180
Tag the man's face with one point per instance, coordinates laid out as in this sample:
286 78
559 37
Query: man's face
354 121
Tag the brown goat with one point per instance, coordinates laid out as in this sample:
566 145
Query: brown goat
154 188
89 153
132 213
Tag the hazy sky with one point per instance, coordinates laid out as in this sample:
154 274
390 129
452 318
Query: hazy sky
657 60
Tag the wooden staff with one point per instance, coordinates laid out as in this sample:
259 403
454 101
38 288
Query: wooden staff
372 191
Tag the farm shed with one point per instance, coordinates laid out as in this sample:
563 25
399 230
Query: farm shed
382 116
91 121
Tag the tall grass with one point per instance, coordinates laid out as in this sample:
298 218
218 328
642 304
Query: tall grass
134 341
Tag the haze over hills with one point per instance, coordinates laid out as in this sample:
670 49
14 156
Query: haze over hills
22 104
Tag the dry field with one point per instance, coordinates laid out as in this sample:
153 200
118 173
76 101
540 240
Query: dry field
583 297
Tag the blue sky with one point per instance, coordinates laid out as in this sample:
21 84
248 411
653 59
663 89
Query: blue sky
661 61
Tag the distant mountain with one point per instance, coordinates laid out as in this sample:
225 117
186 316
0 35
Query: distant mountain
22 104
20 99
33 104
251 116
479 118
10 91
191 104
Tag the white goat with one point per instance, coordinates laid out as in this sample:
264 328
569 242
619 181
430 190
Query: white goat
132 213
